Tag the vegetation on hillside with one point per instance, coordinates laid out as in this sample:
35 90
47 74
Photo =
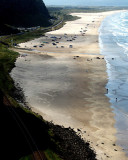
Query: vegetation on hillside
7 59
88 9
58 13
22 13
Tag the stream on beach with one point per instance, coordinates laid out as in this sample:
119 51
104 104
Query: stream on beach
114 46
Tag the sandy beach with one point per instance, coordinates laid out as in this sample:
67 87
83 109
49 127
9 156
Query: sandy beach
65 82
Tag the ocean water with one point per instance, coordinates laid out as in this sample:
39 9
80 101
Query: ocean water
114 46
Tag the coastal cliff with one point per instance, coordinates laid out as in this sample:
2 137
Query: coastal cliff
22 13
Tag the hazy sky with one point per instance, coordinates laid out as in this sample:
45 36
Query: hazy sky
87 2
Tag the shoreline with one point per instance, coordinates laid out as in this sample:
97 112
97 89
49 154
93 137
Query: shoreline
82 81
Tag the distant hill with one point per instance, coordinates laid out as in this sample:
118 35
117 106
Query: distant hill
24 13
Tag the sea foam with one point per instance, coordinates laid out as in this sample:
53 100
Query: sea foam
113 38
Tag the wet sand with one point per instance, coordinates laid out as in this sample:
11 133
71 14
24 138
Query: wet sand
66 84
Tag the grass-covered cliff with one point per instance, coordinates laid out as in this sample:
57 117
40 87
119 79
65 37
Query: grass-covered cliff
24 13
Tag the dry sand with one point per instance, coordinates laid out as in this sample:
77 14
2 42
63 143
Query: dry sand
67 85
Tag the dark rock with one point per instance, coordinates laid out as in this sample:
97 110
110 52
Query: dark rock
71 145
